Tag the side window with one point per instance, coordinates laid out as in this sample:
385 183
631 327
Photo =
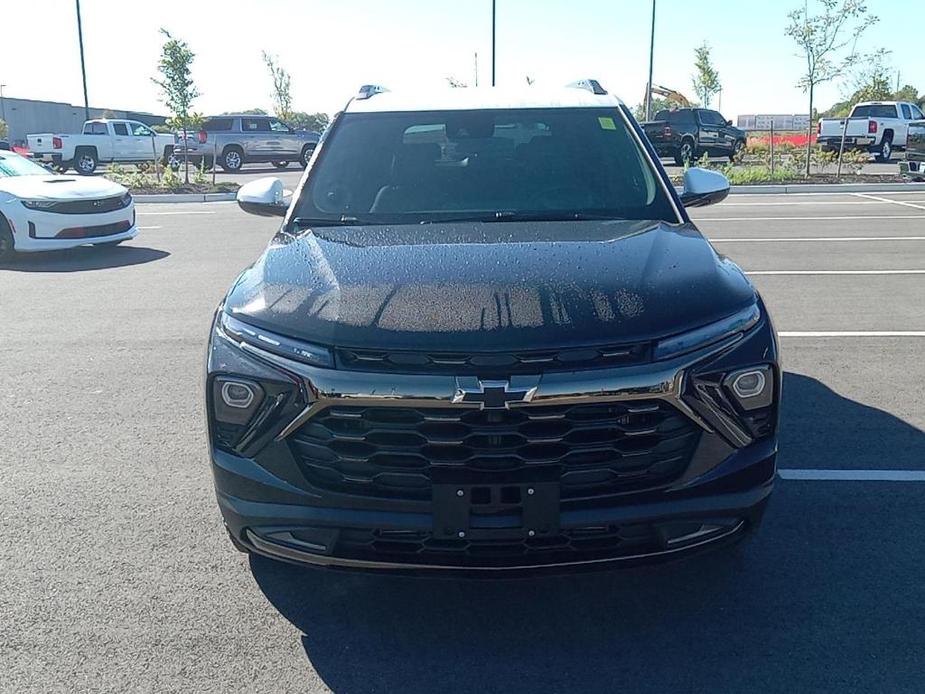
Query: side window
712 118
95 129
215 125
917 112
140 130
255 125
907 112
120 129
278 126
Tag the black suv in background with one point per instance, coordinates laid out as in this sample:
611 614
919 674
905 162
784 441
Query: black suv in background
686 134
487 336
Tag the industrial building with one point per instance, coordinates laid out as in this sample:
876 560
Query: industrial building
24 116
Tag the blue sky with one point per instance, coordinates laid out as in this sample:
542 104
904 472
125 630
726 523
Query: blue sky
332 47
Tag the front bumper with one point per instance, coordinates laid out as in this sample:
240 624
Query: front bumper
35 230
273 505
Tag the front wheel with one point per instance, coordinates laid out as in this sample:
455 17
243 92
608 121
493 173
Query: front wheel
307 152
737 150
7 249
280 164
686 154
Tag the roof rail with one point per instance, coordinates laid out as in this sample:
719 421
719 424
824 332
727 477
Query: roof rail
592 86
368 90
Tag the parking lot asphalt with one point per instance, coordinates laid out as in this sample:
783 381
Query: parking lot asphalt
117 575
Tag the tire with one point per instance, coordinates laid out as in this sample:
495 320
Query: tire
238 545
307 152
85 161
170 159
7 246
885 151
737 149
686 154
280 164
232 159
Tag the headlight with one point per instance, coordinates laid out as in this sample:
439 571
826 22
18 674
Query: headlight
39 204
315 355
249 399
709 334
126 199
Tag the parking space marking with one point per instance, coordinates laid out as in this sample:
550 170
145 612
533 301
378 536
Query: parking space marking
813 203
851 333
835 272
852 217
904 203
802 239
185 212
853 475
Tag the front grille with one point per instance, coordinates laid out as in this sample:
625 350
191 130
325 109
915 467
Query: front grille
598 449
94 231
89 206
482 364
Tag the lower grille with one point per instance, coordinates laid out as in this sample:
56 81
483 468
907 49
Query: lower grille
94 231
598 449
95 206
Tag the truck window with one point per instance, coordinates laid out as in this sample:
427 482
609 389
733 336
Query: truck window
907 112
255 125
917 112
140 130
120 129
683 117
218 125
278 126
874 111
95 128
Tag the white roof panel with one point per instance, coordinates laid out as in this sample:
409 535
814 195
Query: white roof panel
477 98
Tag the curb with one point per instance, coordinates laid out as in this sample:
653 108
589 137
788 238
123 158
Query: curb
829 188
184 197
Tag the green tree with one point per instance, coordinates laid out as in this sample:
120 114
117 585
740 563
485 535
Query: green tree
658 104
827 42
178 91
246 112
706 80
4 130
282 96
316 122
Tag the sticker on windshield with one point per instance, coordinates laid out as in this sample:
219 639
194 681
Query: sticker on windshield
607 123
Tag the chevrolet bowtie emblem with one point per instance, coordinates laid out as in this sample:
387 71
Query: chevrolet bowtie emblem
491 395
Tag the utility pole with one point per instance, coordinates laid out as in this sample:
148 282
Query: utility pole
83 67
476 68
492 43
651 59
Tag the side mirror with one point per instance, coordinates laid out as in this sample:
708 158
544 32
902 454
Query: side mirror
264 197
703 187
728 122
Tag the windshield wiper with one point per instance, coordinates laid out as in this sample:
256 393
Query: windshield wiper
510 216
343 220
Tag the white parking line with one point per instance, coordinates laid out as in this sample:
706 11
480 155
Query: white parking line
809 219
904 203
835 272
801 239
851 333
175 213
812 203
146 228
853 475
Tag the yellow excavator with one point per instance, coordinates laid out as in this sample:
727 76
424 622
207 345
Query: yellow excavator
670 94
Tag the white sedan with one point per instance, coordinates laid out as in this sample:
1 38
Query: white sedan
42 211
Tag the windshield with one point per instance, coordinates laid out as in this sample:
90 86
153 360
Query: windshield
874 111
15 165
444 165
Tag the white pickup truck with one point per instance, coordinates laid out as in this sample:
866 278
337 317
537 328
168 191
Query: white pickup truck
877 126
102 140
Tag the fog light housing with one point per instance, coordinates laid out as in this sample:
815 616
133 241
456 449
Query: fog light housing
237 394
753 388
235 399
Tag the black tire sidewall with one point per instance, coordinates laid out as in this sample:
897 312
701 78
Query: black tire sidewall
307 152
77 158
223 160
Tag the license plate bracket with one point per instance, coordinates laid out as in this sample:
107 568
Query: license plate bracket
469 505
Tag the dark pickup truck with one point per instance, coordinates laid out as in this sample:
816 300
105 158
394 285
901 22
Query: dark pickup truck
687 134
913 168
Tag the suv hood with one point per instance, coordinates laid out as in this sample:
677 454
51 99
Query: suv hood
489 287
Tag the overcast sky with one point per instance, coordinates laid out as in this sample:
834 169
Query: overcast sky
331 47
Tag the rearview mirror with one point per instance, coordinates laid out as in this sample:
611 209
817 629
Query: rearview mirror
703 187
264 197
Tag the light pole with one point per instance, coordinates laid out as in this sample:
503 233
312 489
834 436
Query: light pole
83 68
492 43
2 104
651 58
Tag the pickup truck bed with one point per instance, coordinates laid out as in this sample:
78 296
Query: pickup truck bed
879 127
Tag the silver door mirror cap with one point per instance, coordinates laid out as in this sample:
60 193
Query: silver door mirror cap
265 197
703 187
